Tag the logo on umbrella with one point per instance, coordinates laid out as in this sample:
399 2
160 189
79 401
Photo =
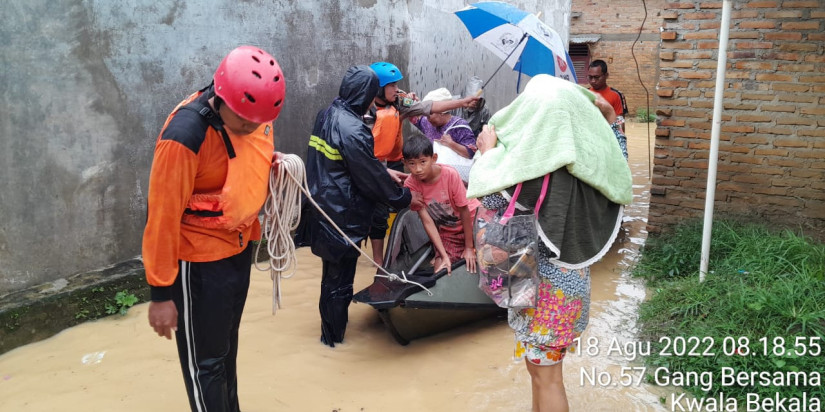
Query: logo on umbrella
506 42
540 28
562 64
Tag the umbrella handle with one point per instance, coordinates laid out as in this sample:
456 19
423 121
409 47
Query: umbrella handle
505 60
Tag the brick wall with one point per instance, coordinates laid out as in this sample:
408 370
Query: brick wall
623 72
617 24
772 147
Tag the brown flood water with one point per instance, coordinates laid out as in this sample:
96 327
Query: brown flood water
119 363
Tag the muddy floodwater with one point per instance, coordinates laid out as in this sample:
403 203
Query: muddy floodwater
120 364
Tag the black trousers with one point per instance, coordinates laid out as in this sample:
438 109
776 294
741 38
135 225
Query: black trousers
336 295
379 225
210 298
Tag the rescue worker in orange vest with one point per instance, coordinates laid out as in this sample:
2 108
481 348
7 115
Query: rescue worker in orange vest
208 182
392 106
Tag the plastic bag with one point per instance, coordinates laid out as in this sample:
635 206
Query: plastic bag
509 277
473 87
449 157
507 249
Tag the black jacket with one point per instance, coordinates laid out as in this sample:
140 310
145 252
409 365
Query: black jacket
477 117
344 176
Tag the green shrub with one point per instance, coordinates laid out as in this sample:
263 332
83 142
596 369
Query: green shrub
122 302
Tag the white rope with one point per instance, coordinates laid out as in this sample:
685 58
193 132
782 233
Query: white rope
282 213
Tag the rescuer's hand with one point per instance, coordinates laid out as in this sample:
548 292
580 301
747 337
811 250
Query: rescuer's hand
163 318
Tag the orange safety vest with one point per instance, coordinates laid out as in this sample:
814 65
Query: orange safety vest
237 204
226 209
386 134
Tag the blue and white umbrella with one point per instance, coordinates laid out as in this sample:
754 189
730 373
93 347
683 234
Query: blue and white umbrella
519 38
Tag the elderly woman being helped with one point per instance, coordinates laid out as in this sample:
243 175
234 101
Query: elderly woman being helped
556 127
450 131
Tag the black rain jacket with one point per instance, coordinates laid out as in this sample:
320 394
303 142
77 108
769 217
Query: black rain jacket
344 176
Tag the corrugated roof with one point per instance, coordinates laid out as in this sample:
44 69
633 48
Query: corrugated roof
584 39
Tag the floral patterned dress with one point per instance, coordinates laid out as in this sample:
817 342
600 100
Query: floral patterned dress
543 334
620 136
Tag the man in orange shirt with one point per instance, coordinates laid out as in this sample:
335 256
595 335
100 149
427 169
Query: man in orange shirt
209 180
597 77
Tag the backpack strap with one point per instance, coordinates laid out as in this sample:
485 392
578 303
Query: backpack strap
624 102
458 126
453 124
210 117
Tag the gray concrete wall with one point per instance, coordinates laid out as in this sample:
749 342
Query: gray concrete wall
86 85
443 55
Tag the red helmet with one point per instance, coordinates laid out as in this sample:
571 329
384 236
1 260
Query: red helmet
251 83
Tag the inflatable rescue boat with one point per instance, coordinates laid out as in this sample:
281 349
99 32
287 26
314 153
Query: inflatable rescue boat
407 310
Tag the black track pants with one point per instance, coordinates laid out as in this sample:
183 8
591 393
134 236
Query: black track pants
336 295
210 298
379 223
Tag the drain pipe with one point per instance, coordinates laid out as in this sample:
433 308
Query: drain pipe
713 157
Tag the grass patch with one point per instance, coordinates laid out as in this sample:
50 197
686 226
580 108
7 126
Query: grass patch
762 305
643 116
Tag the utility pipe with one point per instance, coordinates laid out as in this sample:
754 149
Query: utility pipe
713 157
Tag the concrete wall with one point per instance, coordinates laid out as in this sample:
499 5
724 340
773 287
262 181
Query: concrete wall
86 84
442 56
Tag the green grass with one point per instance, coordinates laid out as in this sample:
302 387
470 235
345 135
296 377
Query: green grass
643 116
763 284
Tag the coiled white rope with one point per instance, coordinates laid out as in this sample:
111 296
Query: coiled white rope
282 213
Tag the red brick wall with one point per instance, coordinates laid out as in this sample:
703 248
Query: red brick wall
617 23
772 147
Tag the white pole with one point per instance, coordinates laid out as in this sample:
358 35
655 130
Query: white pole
710 192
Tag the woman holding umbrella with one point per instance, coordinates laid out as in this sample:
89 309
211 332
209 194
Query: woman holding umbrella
555 128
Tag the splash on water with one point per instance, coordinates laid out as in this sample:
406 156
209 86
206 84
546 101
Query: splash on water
92 358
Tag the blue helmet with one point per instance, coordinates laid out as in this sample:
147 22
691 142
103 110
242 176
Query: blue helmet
387 73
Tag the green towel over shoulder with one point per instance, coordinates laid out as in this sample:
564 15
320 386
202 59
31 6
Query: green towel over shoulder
553 123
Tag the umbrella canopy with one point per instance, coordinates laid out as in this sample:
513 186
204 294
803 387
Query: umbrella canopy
519 38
